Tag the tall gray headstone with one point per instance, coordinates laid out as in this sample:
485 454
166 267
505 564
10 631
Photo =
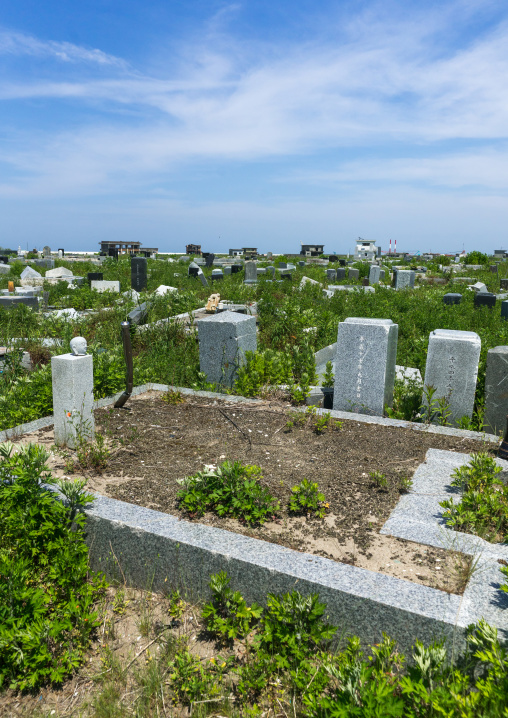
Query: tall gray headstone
340 273
331 275
365 365
374 274
251 273
72 378
496 390
354 273
223 340
46 251
452 370
404 279
139 273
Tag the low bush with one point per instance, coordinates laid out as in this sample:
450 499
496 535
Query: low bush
229 489
46 593
483 506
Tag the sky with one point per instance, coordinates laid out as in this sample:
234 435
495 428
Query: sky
256 123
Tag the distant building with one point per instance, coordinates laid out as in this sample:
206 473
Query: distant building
236 252
312 250
113 249
193 249
250 252
365 249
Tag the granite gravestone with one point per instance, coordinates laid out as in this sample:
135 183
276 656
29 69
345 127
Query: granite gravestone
72 378
139 273
496 390
503 283
251 273
331 275
365 365
46 251
452 298
374 274
193 269
235 268
353 273
223 340
340 273
209 259
217 275
404 279
95 276
485 299
452 370
504 310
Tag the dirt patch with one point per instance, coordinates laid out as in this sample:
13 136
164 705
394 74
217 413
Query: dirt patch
158 443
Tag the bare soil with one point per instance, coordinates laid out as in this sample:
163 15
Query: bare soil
154 443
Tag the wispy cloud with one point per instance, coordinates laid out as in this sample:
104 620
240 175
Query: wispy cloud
16 43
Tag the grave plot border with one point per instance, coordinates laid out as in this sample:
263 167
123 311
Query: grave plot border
157 551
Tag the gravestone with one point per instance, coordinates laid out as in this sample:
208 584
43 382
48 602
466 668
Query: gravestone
4 269
202 277
46 251
269 256
95 276
139 273
271 271
331 275
382 275
342 262
340 273
193 269
105 285
60 254
374 274
286 276
452 298
282 265
209 259
301 263
493 268
496 390
333 258
10 302
504 310
183 258
4 259
58 273
138 314
503 283
365 365
365 282
227 270
354 273
30 273
404 279
217 275
235 268
452 370
251 273
223 340
72 379
485 299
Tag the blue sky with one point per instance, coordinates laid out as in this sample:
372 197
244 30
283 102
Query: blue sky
254 124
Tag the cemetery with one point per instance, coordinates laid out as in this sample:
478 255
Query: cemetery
307 429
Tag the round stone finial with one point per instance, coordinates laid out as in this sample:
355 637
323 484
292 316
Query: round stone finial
78 346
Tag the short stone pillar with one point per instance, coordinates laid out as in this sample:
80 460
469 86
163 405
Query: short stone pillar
331 275
374 274
496 390
223 340
94 277
452 370
353 273
251 273
72 377
340 273
452 298
404 279
217 275
365 357
485 299
139 273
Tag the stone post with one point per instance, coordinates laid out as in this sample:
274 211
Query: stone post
496 390
452 370
365 357
374 274
72 377
223 340
251 273
139 273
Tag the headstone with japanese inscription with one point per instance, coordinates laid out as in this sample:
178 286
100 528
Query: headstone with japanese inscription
450 374
365 357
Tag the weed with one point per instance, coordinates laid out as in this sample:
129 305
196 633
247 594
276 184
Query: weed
120 602
307 499
176 606
231 488
173 397
329 377
379 479
405 483
227 615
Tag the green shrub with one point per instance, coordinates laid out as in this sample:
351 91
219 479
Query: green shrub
46 594
307 499
229 489
227 615
483 507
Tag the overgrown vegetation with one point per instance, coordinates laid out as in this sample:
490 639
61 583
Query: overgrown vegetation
47 595
483 506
